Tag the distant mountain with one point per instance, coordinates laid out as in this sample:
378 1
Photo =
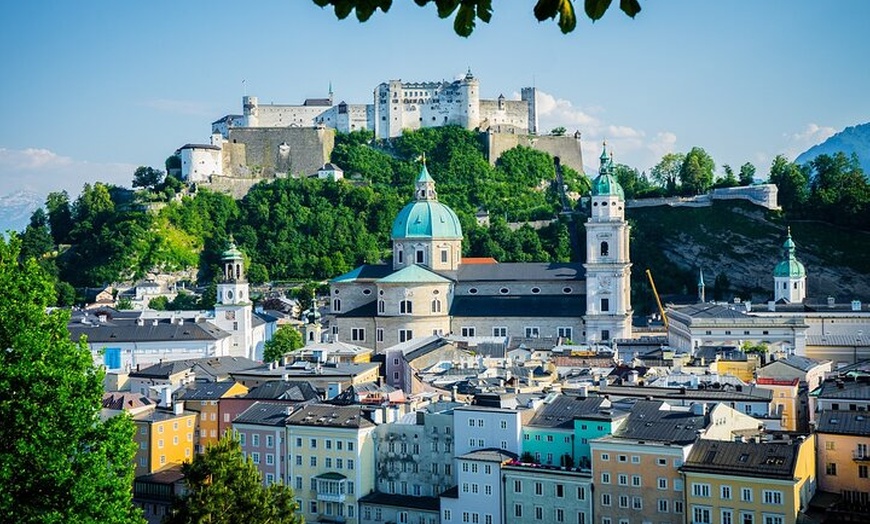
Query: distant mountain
16 208
855 139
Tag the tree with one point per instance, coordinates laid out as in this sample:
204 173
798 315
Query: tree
224 488
667 172
696 173
286 339
468 12
747 174
58 461
559 131
59 216
124 304
36 240
730 179
791 183
147 177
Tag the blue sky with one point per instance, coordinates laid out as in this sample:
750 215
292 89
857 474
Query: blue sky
92 89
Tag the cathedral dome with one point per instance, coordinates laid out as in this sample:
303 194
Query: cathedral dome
790 266
426 217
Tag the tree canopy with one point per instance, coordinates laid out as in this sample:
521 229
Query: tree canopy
286 339
468 12
224 488
58 461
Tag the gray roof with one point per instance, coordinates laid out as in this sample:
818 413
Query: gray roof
330 416
517 271
199 146
744 459
295 391
844 390
654 421
490 455
844 422
265 414
749 393
561 411
709 310
130 331
800 363
401 501
205 390
208 367
518 306
163 370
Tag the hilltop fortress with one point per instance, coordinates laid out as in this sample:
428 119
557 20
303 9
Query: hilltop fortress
278 140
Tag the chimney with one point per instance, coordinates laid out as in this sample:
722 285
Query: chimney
771 305
140 321
831 301
155 321
856 305
699 408
166 396
332 390
178 407
181 321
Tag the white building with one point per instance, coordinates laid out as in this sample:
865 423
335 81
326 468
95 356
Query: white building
199 162
477 497
789 276
481 427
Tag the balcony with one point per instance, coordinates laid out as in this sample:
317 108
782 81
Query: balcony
331 487
861 455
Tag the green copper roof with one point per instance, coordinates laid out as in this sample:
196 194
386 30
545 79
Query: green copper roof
607 185
424 175
232 253
426 219
413 274
790 267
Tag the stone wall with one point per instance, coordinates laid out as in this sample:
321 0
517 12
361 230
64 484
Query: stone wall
567 148
276 151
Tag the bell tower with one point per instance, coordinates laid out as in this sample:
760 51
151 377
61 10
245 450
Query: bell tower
608 266
233 312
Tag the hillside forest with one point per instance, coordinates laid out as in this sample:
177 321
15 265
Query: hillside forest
302 229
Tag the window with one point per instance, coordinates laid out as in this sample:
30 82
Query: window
831 469
623 501
405 335
773 519
533 332
581 493
605 334
622 479
518 510
678 484
700 490
727 517
663 483
468 331
772 497
604 456
635 481
747 518
358 334
270 459
419 256
382 306
336 305
725 492
605 478
518 486
499 331
313 443
313 462
701 515
539 488
605 305
379 333
746 494
255 457
678 506
436 306
539 513
605 249
605 499
443 256
298 460
862 471
663 505
406 307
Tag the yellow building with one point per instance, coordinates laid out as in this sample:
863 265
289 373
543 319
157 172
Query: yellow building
204 398
749 482
843 455
163 437
789 402
736 363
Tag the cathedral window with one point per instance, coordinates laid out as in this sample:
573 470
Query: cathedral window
436 306
406 306
605 334
419 255
401 256
444 256
605 249
336 305
605 304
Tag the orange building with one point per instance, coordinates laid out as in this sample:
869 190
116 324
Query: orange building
843 457
205 399
163 437
789 401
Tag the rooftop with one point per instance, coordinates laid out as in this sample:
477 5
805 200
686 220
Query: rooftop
744 459
330 416
265 414
844 423
656 421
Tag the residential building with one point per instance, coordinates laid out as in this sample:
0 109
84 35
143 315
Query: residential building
318 375
274 392
477 497
261 430
843 459
749 482
843 393
790 402
155 492
164 437
330 452
810 372
482 427
534 493
205 399
378 508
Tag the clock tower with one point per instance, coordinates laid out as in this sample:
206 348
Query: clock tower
233 311
608 267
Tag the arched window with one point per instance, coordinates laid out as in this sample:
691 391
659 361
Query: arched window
406 307
605 249
436 306
381 306
400 255
336 305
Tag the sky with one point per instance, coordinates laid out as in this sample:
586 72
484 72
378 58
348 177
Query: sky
92 89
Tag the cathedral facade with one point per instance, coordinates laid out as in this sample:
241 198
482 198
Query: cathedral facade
429 289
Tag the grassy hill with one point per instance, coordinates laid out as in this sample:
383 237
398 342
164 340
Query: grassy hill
743 243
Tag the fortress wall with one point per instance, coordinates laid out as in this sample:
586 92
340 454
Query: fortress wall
513 113
567 148
270 152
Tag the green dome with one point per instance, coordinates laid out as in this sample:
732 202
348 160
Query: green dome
606 185
426 219
790 268
232 253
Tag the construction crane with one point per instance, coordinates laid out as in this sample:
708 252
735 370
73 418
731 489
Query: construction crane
658 299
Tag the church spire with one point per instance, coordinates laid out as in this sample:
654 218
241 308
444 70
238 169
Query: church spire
701 295
425 183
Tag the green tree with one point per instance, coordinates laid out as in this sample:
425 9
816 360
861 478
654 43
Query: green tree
468 12
66 294
286 339
730 179
791 183
696 173
559 131
747 174
58 461
124 304
224 488
160 303
147 177
59 216
667 172
36 240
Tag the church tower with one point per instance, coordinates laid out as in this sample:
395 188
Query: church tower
789 276
608 267
313 329
233 311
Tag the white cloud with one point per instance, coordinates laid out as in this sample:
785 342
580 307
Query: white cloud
630 145
41 170
812 134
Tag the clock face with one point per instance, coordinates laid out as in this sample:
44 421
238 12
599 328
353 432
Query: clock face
604 282
231 315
